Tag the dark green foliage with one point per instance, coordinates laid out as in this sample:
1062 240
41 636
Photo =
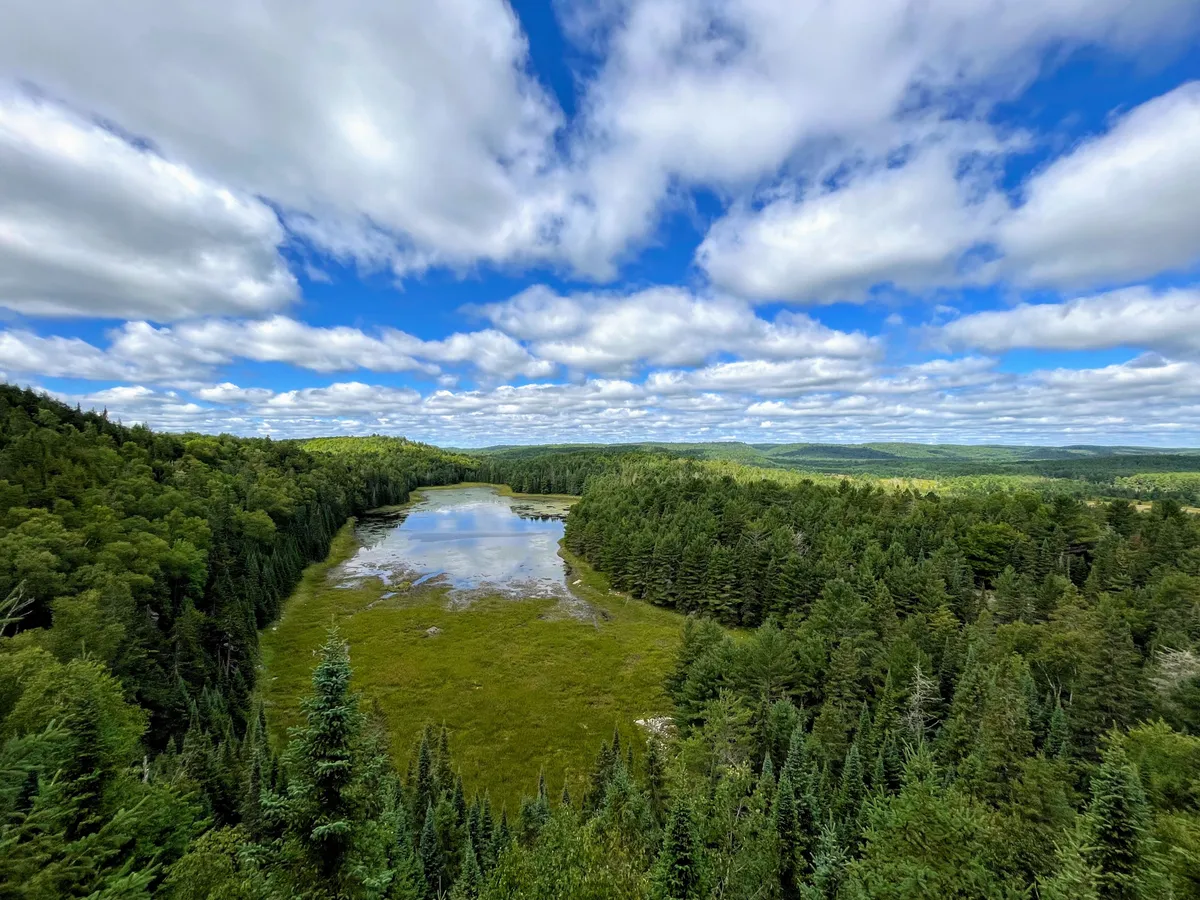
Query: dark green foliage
942 695
1116 825
677 870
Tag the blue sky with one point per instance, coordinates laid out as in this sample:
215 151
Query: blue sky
472 223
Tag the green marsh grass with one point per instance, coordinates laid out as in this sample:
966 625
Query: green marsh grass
520 686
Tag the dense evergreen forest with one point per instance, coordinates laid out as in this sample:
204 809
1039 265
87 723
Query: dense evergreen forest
879 693
1127 472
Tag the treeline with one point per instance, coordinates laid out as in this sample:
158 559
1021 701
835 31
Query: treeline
990 696
135 571
562 471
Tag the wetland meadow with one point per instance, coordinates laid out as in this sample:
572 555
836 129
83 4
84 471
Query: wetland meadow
461 608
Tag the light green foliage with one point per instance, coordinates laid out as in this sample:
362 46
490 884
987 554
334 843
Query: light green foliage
520 688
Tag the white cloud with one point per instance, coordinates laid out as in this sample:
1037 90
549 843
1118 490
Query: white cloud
662 326
412 134
728 94
907 225
191 350
61 357
408 126
1147 400
1134 317
92 226
764 377
1119 207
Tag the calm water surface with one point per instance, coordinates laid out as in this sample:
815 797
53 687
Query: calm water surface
469 538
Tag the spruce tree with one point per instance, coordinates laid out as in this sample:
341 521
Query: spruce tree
432 862
325 808
677 870
423 795
470 877
850 796
1074 879
789 838
1116 824
1058 737
460 801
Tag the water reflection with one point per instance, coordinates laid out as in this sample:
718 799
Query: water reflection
470 539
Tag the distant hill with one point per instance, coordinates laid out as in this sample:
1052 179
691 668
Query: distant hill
1090 463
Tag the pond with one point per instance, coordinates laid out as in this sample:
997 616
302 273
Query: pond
469 539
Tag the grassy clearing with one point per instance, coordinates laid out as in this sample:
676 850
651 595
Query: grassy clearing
519 686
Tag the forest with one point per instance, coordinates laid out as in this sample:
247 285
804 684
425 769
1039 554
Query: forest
879 692
1084 471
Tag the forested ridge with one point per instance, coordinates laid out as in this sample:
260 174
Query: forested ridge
879 693
135 571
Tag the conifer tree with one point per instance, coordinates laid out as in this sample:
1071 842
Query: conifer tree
850 796
470 877
325 807
790 840
677 870
432 861
1116 825
459 801
424 792
1075 878
1058 736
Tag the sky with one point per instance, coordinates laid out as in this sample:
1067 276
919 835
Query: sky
471 223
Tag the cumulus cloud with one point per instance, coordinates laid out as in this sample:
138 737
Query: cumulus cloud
908 225
1134 317
1147 400
725 94
1119 207
93 226
412 134
411 126
763 377
190 350
617 333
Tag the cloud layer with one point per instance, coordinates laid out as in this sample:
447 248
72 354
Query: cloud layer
1147 400
175 181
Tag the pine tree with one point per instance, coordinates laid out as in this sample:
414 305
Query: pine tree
677 870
